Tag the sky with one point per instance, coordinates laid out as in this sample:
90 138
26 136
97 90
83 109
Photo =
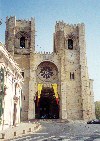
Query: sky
47 12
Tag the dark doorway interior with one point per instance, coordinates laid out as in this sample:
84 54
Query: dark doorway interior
47 107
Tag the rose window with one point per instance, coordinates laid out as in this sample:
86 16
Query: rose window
47 71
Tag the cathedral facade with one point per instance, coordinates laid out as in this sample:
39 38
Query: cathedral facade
57 84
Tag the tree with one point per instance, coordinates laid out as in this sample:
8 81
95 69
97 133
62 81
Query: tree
97 109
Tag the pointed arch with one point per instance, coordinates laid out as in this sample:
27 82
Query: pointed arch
22 42
70 44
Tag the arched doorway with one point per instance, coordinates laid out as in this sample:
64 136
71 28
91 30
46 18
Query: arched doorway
47 106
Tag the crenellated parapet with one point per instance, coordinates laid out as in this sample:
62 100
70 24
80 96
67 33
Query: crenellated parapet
60 25
46 55
38 52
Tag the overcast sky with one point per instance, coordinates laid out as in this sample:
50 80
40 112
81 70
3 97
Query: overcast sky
47 12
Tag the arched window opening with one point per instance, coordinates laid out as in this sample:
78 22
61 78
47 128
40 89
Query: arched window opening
70 44
22 42
72 76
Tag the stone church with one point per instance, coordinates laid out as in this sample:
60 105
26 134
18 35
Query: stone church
57 84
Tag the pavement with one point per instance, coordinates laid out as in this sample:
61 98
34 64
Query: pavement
56 130
24 128
53 130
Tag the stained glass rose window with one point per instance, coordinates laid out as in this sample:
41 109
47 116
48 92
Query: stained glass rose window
47 71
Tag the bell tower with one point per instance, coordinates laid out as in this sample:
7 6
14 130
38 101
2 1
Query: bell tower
20 36
20 43
66 37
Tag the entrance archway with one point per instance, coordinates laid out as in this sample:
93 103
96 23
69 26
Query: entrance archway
47 107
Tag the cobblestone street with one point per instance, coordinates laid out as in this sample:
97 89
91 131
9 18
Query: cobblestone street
64 131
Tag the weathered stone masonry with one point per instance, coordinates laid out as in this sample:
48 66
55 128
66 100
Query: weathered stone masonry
69 57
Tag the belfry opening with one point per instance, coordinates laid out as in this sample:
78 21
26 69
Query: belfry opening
47 104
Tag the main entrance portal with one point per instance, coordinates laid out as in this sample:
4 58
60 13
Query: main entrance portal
47 106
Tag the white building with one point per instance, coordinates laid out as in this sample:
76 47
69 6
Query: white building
10 89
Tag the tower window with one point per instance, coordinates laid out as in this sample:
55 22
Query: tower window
22 42
70 44
72 75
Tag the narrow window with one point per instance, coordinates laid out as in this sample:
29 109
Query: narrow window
71 75
22 42
24 97
70 44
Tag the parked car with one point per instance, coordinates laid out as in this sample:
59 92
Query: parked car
95 121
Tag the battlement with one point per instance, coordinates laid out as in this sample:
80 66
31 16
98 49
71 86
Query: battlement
12 22
60 25
10 18
36 52
14 18
45 53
